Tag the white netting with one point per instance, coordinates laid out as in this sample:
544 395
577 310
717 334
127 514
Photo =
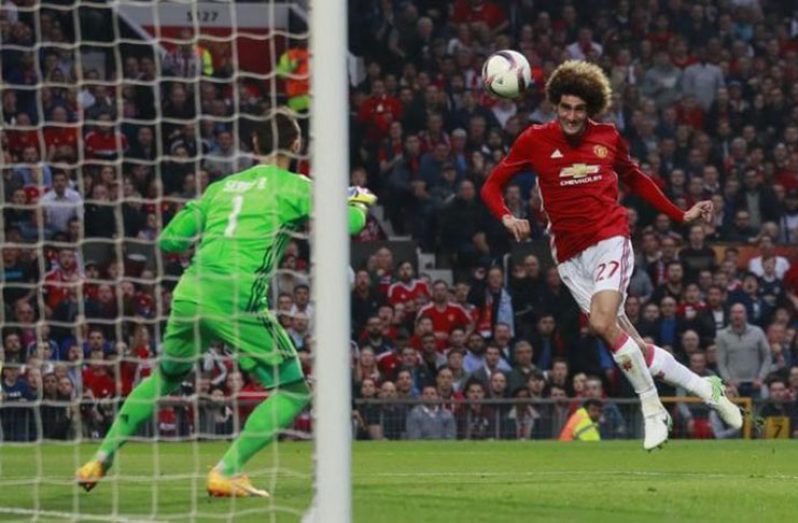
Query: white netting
114 115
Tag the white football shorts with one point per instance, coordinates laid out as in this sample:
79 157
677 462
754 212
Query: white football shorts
607 265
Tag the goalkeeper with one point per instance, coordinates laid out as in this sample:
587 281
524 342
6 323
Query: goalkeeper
243 224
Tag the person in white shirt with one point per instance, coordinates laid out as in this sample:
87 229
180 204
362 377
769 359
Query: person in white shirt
62 203
766 250
584 47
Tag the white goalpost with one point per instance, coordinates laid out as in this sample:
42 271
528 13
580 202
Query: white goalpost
330 156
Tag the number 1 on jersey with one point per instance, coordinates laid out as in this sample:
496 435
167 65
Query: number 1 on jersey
232 220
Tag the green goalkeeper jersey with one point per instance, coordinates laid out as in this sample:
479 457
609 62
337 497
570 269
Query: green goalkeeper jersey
244 223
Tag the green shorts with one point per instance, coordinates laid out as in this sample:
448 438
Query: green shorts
264 348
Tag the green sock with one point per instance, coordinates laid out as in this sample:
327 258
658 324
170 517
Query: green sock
138 408
277 412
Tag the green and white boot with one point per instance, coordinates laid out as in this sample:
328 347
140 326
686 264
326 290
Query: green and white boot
728 411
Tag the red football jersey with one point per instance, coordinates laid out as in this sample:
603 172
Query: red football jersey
58 136
578 181
101 385
445 320
104 146
402 293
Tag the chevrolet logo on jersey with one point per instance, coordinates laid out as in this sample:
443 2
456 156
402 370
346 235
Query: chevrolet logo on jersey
579 170
578 174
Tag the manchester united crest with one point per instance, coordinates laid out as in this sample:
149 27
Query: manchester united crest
600 151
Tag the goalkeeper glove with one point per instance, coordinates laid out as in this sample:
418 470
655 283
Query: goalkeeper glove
361 197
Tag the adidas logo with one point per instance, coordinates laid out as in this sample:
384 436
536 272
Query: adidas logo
556 154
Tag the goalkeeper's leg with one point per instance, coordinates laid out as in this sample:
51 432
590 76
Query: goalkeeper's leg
276 413
138 408
268 355
180 346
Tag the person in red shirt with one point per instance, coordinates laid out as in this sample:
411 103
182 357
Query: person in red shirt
382 272
579 163
21 135
378 112
60 136
58 281
97 378
476 11
445 315
408 289
105 143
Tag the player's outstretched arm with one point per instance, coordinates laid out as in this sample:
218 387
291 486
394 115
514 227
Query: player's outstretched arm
701 210
187 224
493 189
182 229
296 194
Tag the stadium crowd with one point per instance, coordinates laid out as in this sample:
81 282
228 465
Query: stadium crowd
101 148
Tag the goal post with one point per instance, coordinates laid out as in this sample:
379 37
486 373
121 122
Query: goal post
330 157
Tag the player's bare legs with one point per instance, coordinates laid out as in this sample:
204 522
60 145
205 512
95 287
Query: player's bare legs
626 352
663 366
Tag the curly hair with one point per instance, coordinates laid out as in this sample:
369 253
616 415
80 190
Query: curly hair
582 79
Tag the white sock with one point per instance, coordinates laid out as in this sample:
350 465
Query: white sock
630 359
665 367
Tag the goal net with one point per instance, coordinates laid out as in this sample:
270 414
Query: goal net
115 114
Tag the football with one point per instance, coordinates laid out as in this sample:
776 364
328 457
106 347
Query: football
506 74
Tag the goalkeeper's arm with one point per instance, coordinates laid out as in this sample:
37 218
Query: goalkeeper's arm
359 200
182 230
188 224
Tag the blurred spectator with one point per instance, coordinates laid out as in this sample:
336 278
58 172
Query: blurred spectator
368 414
58 412
743 353
780 415
696 415
429 420
611 422
697 255
702 79
476 420
495 303
366 301
444 314
375 339
583 425
522 367
663 81
758 310
293 67
105 143
479 12
188 59
755 264
16 420
62 203
546 341
378 112
366 368
408 290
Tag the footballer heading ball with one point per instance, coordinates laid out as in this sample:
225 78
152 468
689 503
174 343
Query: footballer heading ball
506 74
